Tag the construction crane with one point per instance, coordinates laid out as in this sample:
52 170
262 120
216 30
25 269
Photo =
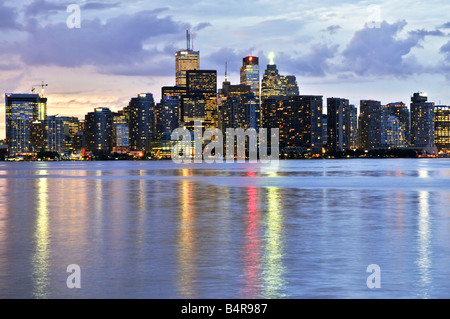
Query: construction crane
42 85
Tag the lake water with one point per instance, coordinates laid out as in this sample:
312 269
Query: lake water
308 229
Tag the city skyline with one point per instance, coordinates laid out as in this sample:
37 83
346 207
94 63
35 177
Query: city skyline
311 49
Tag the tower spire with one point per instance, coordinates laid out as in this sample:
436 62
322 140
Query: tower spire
226 75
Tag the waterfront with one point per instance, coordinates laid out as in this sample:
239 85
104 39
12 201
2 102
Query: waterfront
151 229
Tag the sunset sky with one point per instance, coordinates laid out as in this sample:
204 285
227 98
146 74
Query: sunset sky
384 50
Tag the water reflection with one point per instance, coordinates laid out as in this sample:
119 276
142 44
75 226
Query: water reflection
186 238
40 259
423 233
252 249
273 258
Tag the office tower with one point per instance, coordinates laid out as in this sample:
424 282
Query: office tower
238 107
98 131
274 84
299 119
185 60
339 124
54 134
250 74
200 101
142 124
442 127
21 109
401 111
422 121
370 124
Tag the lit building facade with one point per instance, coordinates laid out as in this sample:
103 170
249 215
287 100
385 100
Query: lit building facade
185 60
21 110
275 84
54 134
422 121
442 127
341 124
299 119
370 124
200 101
142 122
401 111
250 74
98 130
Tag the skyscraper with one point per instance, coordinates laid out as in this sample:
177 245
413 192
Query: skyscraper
185 60
341 124
200 101
98 131
275 84
401 111
370 124
422 121
21 109
250 74
142 123
442 127
299 119
54 134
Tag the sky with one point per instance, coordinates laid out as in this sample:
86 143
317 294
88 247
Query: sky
382 50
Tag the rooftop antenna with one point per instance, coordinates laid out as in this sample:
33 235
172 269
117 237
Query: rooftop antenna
188 40
192 40
226 75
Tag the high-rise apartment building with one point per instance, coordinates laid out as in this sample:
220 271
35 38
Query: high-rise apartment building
341 124
422 121
98 130
299 119
370 124
142 122
401 111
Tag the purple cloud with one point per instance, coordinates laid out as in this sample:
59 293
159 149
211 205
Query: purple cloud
8 18
378 51
44 7
118 41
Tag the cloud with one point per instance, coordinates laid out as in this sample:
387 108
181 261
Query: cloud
127 39
445 49
445 26
422 33
8 18
313 63
43 7
379 51
332 29
99 5
201 26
